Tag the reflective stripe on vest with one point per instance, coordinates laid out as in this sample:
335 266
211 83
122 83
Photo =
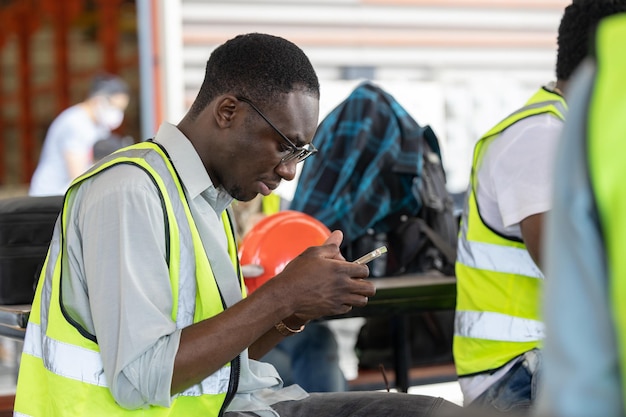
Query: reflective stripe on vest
85 365
490 257
606 130
71 381
497 313
480 325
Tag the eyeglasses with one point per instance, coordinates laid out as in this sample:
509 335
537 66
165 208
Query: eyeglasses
296 153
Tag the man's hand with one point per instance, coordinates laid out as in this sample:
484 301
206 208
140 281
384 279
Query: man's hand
320 282
335 238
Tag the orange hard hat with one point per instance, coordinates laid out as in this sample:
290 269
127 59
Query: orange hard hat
274 241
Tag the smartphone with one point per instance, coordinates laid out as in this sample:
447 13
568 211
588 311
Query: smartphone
368 257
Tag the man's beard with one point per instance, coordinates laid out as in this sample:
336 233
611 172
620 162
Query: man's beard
237 193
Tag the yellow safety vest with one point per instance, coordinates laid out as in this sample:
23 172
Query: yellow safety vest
607 145
498 284
61 371
270 204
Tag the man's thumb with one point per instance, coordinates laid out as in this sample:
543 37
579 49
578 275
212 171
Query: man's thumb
335 238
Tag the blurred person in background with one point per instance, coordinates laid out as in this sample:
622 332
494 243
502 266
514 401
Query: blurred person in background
585 347
498 326
68 146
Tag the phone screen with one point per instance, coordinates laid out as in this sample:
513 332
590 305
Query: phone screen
368 257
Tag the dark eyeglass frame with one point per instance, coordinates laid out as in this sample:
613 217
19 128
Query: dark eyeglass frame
297 153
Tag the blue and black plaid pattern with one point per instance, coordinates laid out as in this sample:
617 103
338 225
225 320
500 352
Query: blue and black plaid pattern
370 152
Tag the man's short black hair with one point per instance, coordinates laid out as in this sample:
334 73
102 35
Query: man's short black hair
578 24
107 85
257 66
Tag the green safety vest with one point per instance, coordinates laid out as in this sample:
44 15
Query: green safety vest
61 371
606 132
498 284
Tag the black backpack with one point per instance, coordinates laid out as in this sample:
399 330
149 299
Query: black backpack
422 242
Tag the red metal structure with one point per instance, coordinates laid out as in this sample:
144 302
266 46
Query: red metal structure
49 50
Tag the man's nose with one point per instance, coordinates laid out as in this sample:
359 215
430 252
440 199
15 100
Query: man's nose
287 170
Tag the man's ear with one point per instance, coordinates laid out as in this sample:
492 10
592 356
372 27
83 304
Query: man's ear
225 109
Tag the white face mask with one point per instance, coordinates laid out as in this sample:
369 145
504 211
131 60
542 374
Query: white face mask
108 116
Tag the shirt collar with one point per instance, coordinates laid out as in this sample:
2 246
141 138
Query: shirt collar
190 167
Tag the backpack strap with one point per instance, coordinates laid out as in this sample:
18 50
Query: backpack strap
444 247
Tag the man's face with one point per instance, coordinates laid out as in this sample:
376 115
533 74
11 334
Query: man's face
119 100
109 110
254 164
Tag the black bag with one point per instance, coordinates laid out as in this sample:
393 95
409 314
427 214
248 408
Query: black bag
26 225
423 242
427 241
417 244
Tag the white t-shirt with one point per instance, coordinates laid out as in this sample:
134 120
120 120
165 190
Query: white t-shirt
72 131
515 177
514 182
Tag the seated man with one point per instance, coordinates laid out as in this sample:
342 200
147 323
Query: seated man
67 147
141 308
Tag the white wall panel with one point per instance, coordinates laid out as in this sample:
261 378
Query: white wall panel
480 58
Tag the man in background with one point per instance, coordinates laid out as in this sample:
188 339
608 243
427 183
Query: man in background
68 146
498 329
584 372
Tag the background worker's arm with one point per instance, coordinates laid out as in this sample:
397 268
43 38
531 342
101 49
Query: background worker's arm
522 178
532 233
76 162
77 146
